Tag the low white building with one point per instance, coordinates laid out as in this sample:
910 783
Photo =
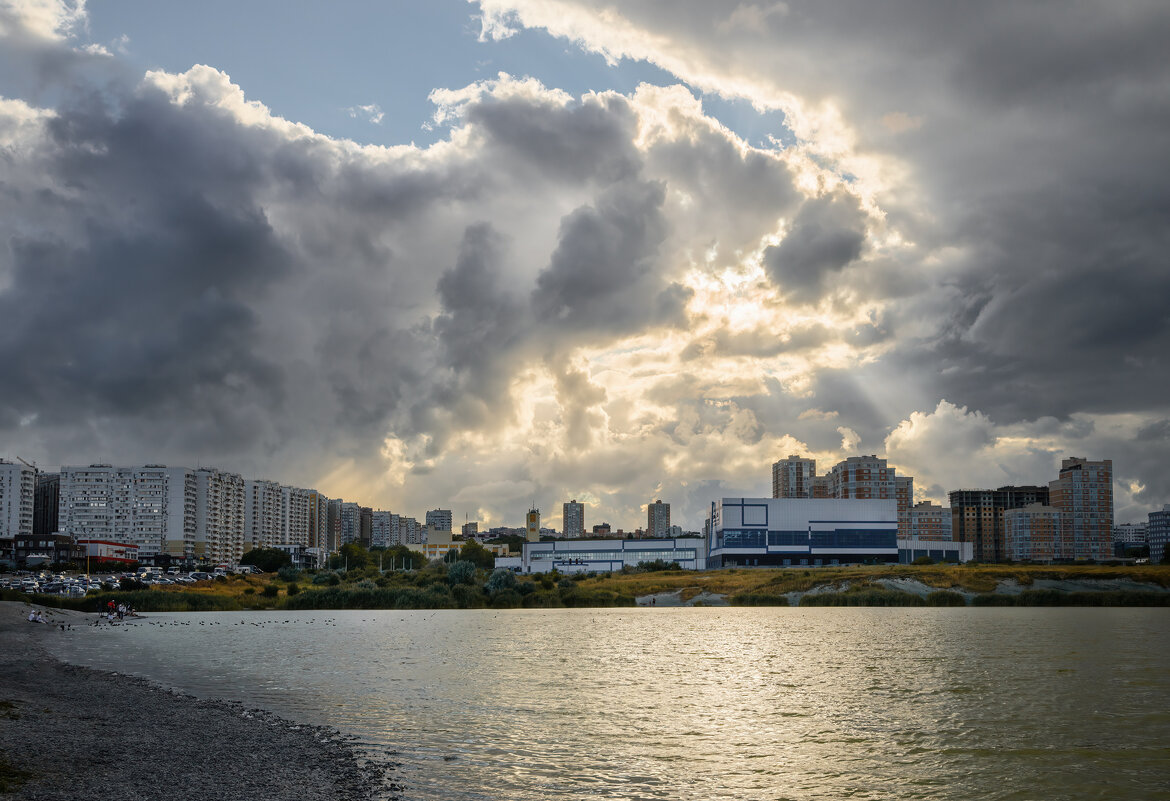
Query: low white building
607 556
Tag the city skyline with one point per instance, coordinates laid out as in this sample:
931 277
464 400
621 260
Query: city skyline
476 254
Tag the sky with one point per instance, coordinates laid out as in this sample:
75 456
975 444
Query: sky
479 255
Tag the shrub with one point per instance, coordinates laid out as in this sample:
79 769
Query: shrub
993 599
271 591
945 598
294 588
502 579
289 573
462 572
128 584
249 591
759 599
923 560
566 584
867 597
467 596
365 584
506 599
526 587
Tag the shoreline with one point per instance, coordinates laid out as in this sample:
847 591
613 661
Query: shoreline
69 732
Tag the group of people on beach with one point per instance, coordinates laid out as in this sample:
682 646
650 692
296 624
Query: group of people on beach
118 611
36 616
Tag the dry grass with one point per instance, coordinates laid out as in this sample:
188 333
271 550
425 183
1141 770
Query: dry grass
974 578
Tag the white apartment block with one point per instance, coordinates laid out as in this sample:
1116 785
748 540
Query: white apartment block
440 519
262 514
17 488
152 506
294 517
409 531
219 515
382 531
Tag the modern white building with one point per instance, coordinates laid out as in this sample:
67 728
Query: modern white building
17 489
911 548
607 556
759 532
152 506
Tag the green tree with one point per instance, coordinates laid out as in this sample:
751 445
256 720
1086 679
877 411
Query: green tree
267 559
352 556
475 553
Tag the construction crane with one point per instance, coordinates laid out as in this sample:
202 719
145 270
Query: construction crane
29 464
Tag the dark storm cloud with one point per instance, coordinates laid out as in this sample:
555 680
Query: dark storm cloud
602 274
826 236
574 142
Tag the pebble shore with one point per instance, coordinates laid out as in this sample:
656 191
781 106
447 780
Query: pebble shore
73 732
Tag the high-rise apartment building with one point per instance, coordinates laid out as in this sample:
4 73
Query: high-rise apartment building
409 531
1083 493
1032 533
219 516
380 532
470 530
929 521
152 506
793 477
319 523
573 519
440 519
263 501
295 521
17 493
977 517
46 504
657 519
1158 535
351 522
871 478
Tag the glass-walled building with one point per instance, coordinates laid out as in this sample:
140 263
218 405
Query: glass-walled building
777 532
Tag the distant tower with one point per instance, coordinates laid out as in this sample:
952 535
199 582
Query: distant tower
573 517
657 519
532 524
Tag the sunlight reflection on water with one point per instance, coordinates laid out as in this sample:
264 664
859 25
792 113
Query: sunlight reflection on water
705 703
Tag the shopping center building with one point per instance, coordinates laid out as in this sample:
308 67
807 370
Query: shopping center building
778 532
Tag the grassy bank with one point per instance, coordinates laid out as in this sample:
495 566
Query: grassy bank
468 587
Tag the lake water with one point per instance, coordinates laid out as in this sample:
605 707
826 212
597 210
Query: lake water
700 703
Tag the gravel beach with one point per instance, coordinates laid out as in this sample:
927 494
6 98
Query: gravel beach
69 732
